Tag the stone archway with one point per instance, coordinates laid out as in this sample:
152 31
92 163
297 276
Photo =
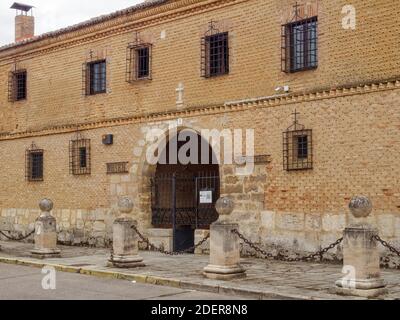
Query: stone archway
202 180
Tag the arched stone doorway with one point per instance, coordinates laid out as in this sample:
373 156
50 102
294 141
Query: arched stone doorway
185 188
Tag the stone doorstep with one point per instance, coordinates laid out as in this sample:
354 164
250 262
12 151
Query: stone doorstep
169 282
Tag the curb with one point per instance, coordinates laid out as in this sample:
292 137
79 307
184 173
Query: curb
159 281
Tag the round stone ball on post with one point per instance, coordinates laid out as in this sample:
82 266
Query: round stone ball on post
125 252
360 255
224 207
224 245
46 233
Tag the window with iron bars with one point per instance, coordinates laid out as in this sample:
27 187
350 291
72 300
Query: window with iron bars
300 45
138 62
215 54
79 157
34 164
297 150
17 86
297 147
95 77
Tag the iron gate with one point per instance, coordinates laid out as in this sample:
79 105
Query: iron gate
184 203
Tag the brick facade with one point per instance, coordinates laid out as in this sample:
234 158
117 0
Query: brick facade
351 102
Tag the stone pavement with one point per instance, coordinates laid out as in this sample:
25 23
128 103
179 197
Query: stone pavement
266 279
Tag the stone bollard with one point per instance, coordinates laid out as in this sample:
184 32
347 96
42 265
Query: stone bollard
125 240
224 246
46 233
360 255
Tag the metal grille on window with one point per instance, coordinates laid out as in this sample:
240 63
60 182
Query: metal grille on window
34 163
79 155
94 77
138 60
300 43
214 52
17 85
117 167
297 147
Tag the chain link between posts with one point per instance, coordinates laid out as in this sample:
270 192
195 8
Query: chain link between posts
281 257
21 238
166 252
386 245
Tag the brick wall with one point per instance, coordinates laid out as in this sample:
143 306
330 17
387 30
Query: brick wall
355 130
55 68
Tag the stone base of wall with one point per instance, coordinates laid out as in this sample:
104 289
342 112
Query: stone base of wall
161 238
290 234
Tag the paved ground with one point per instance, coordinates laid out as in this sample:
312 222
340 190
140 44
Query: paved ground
25 283
265 280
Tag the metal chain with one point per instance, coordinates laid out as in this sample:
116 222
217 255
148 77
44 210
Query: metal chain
281 257
166 252
387 245
19 238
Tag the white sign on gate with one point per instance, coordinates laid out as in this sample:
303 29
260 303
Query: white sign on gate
206 197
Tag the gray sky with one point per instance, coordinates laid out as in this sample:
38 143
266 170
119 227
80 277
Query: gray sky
54 14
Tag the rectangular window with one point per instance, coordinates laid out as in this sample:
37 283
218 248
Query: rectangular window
138 62
300 45
143 62
217 54
79 157
97 77
34 165
302 147
17 86
82 157
297 150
